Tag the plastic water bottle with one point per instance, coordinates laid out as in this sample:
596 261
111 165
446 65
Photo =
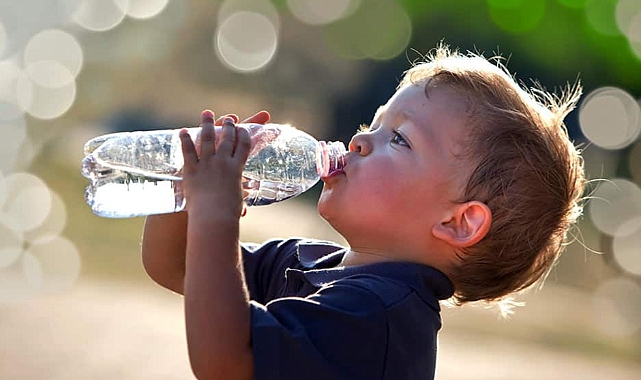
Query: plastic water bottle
139 173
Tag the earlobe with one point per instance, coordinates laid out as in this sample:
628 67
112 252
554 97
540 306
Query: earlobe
467 224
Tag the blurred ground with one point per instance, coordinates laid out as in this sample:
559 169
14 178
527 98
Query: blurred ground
110 330
145 73
115 323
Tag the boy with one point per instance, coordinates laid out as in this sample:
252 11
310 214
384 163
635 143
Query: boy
463 187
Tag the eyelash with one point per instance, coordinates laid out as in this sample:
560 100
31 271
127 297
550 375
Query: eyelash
399 136
363 128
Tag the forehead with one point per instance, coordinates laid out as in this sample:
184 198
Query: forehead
428 91
427 105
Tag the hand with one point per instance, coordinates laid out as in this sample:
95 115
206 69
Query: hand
212 179
207 116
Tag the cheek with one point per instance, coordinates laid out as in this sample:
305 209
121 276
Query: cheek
328 202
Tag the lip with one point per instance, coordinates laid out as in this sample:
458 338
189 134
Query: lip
334 174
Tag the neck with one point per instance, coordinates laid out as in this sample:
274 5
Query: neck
358 257
363 256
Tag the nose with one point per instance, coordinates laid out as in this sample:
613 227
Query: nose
361 143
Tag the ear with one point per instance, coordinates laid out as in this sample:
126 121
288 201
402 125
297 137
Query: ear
465 225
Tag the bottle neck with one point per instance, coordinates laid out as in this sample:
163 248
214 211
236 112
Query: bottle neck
331 157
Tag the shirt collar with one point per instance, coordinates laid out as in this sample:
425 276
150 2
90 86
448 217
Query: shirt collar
320 260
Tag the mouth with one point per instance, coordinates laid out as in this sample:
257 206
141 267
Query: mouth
332 175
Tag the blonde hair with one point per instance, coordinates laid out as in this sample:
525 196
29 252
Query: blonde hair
525 169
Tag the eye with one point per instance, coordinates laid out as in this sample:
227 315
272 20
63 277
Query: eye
397 138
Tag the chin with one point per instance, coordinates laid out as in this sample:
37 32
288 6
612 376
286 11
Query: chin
330 208
326 211
322 209
324 202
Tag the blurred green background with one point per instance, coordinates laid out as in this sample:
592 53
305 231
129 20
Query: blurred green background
75 302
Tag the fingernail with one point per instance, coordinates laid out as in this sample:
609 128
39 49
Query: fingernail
207 116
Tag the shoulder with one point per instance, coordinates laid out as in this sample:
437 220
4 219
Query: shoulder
386 291
379 296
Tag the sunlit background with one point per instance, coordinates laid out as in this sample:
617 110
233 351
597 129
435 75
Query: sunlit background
75 302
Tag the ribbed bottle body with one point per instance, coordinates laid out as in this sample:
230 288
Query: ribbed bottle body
139 173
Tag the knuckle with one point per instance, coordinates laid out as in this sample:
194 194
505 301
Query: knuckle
245 143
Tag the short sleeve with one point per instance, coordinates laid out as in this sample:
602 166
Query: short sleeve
339 332
264 266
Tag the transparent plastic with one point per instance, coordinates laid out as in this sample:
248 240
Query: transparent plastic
139 173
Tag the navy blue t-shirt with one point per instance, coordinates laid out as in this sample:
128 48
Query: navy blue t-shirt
313 320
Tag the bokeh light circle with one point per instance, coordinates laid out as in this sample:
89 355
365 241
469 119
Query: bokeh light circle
610 118
616 306
387 44
14 135
23 19
11 112
626 246
55 222
517 16
625 12
143 9
32 270
14 284
45 102
246 41
636 48
11 241
55 45
49 74
263 7
614 203
634 29
10 73
601 15
9 254
58 264
28 200
315 12
354 37
101 15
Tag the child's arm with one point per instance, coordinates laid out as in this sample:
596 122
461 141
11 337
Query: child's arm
164 241
217 312
164 237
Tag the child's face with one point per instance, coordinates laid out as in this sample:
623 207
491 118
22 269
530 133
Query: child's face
401 176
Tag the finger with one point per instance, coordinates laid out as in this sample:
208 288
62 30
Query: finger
189 150
220 120
207 140
207 116
227 141
261 117
243 144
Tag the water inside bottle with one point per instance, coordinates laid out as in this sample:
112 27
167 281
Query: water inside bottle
146 179
115 193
